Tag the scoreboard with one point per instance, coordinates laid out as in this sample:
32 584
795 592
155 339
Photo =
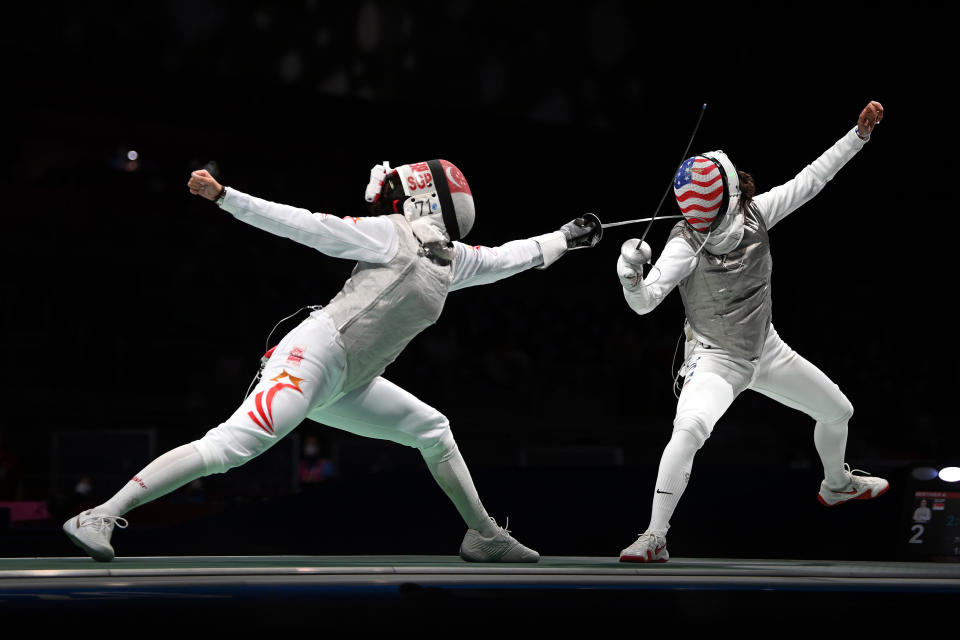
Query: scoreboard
933 526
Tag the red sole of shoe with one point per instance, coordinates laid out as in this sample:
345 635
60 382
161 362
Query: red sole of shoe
862 496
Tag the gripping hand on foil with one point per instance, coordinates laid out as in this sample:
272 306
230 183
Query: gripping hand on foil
579 233
634 254
582 232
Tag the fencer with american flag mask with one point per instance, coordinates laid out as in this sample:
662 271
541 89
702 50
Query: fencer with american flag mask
719 258
328 368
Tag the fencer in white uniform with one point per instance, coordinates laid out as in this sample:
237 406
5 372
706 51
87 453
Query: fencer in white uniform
329 367
719 257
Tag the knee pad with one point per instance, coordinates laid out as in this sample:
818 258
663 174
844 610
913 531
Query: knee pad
696 428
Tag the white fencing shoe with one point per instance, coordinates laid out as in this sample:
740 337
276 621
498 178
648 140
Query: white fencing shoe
649 547
91 532
858 487
501 547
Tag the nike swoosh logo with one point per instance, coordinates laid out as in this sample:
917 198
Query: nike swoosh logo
666 492
846 493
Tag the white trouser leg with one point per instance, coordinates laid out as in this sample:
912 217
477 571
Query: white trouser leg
168 472
713 380
384 411
672 478
305 370
292 381
793 381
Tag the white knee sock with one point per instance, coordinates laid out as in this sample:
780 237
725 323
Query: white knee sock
451 473
831 443
675 465
170 471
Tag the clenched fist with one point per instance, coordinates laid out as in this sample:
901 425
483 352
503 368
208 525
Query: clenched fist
203 184
871 115
633 255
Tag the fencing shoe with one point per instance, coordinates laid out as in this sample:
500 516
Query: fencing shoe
649 547
501 547
91 532
858 487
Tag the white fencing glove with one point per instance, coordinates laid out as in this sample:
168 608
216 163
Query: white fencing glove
631 261
377 174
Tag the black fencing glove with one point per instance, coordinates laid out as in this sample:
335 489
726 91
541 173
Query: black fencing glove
582 232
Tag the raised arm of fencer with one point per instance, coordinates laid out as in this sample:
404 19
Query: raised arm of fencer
776 204
676 262
478 265
370 239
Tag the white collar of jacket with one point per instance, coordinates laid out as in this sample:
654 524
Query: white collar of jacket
728 235
433 236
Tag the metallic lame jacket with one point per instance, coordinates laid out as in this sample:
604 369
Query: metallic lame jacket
727 298
382 307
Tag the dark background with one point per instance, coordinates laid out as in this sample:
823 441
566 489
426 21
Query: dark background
134 315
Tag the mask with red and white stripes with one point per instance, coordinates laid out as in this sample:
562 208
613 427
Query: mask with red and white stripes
707 189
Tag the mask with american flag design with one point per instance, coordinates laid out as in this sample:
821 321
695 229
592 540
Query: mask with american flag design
707 188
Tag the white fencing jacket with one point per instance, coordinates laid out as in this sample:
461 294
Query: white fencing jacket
396 290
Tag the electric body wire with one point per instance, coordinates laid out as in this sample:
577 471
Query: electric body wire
264 358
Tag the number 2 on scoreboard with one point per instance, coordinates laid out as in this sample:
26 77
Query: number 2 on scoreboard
917 533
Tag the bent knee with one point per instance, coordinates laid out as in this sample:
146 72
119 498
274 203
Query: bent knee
695 427
222 451
842 411
435 441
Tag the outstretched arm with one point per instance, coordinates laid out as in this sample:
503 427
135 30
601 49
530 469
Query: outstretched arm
371 239
478 265
780 201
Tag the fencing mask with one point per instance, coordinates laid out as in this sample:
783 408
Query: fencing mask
434 196
707 189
